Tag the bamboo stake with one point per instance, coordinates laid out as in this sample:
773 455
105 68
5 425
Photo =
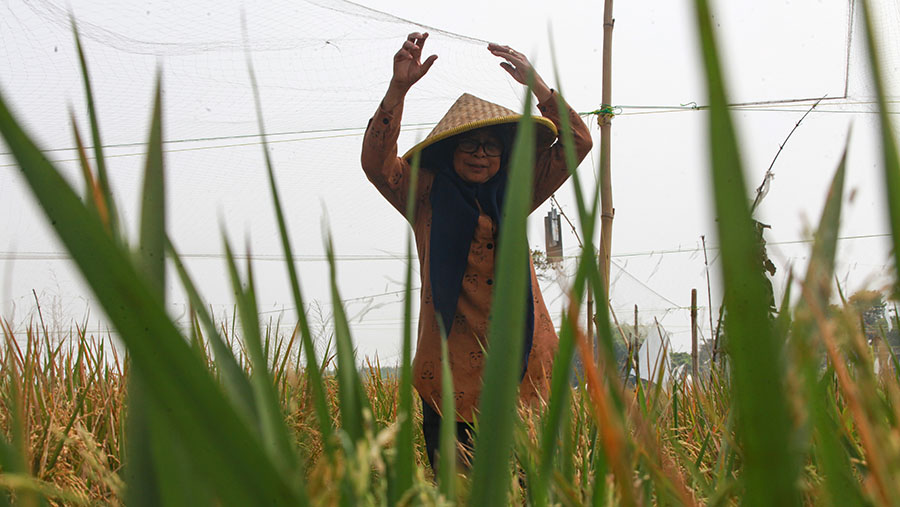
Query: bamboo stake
636 347
605 119
695 370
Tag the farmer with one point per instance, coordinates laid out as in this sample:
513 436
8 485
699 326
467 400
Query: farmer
458 205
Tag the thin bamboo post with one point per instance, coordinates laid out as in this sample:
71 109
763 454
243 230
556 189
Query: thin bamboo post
605 119
635 348
695 366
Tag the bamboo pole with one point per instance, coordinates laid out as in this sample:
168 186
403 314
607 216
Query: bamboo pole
695 366
605 119
636 347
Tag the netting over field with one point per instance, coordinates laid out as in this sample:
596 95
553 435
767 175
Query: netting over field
322 67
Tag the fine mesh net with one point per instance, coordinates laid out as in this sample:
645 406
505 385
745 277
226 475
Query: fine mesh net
886 27
322 67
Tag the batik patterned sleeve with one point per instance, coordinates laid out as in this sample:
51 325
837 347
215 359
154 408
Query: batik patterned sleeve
550 168
388 172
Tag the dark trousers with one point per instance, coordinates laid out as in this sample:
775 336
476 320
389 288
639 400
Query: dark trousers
431 429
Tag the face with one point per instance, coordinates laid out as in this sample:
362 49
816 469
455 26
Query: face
478 166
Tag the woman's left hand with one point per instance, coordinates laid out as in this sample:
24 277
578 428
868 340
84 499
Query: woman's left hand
519 68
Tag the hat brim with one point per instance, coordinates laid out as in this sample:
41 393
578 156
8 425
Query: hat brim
546 132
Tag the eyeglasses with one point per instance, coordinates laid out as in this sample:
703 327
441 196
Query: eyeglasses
470 145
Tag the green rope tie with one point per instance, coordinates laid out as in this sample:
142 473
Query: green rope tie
605 113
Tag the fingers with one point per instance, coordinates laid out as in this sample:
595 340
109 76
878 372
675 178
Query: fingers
516 63
409 51
508 68
505 51
428 63
408 67
421 41
414 43
403 54
409 48
516 73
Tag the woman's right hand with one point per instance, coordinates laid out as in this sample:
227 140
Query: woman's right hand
408 66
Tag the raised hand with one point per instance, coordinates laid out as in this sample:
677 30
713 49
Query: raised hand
518 66
408 67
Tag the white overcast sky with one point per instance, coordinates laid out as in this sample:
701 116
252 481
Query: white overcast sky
323 66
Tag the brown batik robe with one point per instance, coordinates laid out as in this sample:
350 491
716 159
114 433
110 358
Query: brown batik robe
390 175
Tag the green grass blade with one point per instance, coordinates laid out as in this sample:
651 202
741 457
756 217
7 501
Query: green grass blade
219 441
92 195
13 451
842 488
560 391
447 460
236 384
620 463
617 443
507 327
600 466
566 451
351 395
820 271
153 208
196 335
352 400
770 463
7 456
784 320
79 407
526 455
840 483
316 383
405 462
102 175
587 215
154 473
275 435
888 142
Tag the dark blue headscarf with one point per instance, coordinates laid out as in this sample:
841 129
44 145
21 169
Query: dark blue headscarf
455 209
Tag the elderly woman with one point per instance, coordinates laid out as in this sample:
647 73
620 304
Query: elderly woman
457 217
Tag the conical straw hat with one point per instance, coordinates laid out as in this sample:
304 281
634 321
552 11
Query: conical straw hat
470 113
